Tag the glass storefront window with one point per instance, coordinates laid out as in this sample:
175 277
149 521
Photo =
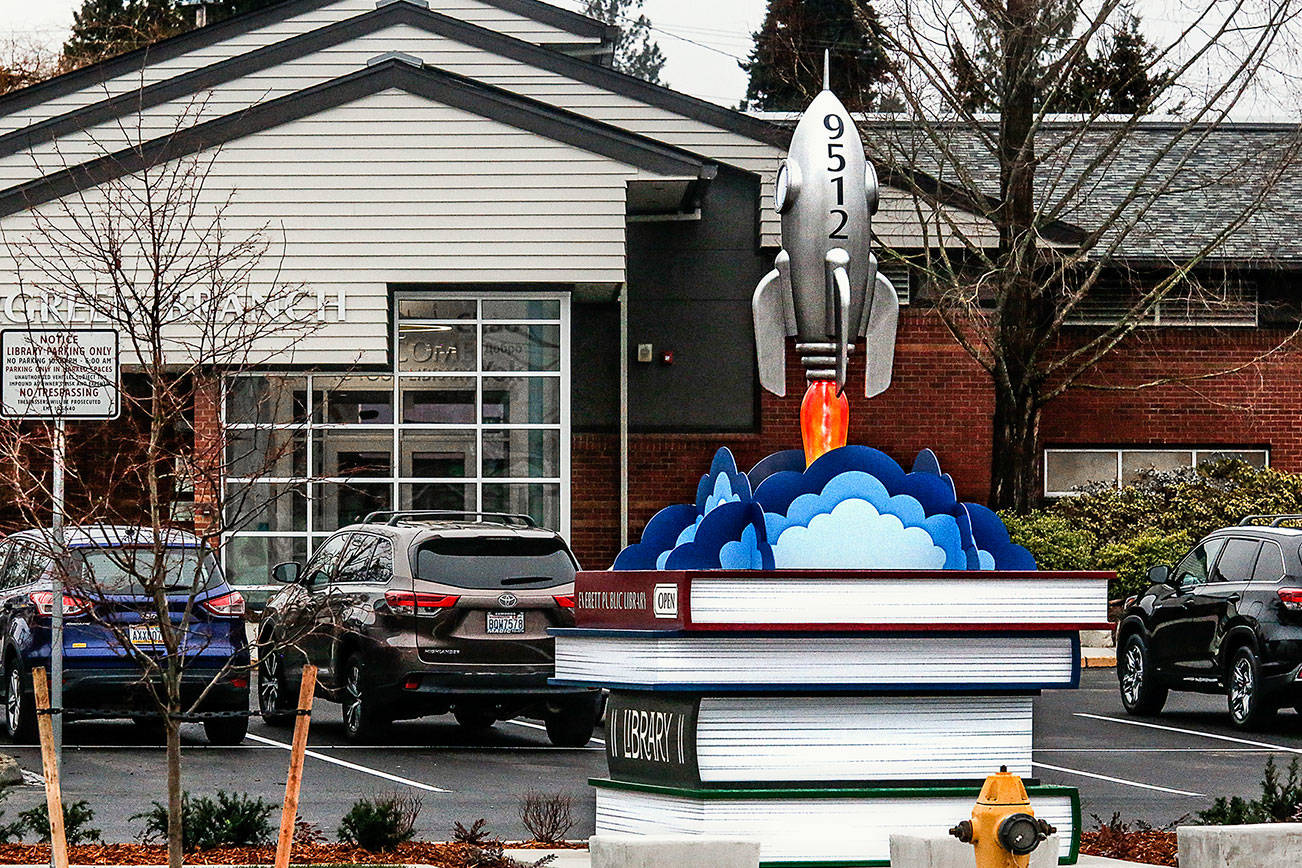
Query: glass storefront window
352 400
472 417
438 347
266 507
521 401
338 504
435 400
436 495
267 400
536 500
522 348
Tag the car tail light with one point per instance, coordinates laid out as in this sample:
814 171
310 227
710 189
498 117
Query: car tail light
240 681
44 603
1291 598
412 683
565 601
226 606
1130 601
408 603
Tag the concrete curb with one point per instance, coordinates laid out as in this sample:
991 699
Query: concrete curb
1098 658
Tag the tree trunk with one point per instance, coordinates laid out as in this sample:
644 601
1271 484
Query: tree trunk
174 843
1014 452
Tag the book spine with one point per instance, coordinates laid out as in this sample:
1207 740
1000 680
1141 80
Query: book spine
651 738
632 600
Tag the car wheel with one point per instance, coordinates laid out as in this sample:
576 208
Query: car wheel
226 730
20 706
272 690
1140 692
362 720
474 720
1249 708
571 725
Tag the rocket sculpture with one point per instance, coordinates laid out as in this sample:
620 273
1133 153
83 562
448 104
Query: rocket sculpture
824 287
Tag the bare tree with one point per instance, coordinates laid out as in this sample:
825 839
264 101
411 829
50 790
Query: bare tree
1025 214
151 249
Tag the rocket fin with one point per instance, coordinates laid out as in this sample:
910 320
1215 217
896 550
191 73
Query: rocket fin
769 308
879 335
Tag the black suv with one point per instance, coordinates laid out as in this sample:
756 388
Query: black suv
410 614
1227 620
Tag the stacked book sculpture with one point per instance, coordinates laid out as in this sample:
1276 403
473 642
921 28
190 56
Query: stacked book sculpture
821 710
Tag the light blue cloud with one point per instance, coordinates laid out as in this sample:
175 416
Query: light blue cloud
855 535
743 554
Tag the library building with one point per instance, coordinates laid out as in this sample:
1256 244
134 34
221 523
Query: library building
520 281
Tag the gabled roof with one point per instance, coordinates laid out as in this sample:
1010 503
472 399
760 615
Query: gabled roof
392 13
435 84
193 40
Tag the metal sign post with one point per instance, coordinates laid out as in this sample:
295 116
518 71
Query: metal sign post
56 375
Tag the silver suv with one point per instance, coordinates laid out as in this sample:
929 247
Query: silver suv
409 614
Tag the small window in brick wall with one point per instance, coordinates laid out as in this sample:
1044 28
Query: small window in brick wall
1067 470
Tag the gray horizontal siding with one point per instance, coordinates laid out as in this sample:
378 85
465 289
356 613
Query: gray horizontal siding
398 188
473 11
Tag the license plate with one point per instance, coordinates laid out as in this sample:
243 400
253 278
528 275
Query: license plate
506 622
145 634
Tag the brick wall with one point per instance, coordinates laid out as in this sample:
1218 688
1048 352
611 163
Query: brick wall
940 398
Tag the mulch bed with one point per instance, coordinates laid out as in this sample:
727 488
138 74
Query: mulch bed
413 853
1149 846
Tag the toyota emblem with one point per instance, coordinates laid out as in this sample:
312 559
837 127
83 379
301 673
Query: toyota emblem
508 600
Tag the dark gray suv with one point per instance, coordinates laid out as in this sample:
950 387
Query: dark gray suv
409 614
1227 619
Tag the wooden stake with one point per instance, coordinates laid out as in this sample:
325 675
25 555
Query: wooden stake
50 765
289 813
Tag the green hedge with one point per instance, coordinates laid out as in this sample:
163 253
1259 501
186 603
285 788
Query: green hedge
1153 521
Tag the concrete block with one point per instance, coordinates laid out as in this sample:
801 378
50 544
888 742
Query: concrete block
10 773
945 851
1269 845
1096 639
678 851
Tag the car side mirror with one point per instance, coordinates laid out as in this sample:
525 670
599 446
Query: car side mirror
1160 575
287 573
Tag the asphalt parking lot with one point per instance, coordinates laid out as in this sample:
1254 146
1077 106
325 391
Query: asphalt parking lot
1154 769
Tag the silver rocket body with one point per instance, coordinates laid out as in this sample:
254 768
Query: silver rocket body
825 288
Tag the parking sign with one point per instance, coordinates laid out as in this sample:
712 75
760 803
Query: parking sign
59 374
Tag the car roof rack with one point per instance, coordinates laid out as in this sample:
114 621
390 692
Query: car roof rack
1275 520
393 517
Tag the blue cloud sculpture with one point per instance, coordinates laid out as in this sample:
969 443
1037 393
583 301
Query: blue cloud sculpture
853 508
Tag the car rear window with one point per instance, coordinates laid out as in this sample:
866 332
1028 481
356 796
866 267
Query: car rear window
495 562
127 570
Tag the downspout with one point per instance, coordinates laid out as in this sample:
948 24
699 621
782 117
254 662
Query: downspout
623 416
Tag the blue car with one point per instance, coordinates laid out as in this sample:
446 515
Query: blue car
106 607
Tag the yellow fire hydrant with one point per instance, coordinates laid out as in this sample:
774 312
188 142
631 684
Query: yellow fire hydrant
1003 828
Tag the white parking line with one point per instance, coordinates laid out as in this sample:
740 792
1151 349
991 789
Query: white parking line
1181 731
353 766
1150 750
544 729
1122 781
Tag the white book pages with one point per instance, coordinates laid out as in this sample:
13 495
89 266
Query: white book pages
913 600
875 661
859 738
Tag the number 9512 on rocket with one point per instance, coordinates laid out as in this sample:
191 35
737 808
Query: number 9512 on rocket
825 288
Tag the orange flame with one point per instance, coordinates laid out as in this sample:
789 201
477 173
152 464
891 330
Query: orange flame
824 419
